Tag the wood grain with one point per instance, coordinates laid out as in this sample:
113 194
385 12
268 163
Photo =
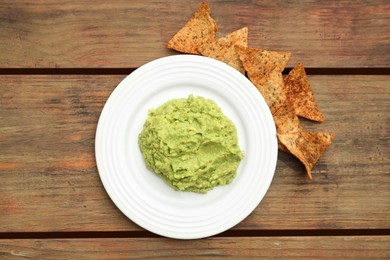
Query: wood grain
50 34
354 247
50 182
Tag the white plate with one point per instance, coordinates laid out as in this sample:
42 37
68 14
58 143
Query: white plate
145 198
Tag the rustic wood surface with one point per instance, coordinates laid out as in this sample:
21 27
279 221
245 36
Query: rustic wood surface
97 33
59 62
48 123
351 247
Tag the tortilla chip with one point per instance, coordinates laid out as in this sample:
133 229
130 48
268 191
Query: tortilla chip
299 91
307 146
286 120
223 49
282 147
271 88
259 63
199 30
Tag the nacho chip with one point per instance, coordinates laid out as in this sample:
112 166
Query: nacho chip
282 147
286 120
307 146
223 49
199 30
271 88
259 63
299 91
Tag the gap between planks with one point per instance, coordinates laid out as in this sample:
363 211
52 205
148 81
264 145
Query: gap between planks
229 233
125 71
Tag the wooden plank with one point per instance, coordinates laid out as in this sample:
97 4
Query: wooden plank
340 247
48 125
130 33
50 181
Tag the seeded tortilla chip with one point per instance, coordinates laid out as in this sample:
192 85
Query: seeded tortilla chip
199 30
259 63
271 88
286 121
282 147
223 49
307 146
299 91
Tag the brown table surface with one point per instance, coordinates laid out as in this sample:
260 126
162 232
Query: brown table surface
59 62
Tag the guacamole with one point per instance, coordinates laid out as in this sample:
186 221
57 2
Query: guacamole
191 144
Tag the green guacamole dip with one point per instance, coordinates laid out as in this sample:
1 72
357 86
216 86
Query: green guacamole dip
191 144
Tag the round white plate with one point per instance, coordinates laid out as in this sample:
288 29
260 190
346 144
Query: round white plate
144 197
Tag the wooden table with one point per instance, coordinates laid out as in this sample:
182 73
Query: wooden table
59 62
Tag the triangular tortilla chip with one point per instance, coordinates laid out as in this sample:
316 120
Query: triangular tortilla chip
259 63
199 30
282 147
286 121
299 91
271 88
307 146
223 49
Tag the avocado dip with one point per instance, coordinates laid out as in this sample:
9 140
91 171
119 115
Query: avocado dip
191 144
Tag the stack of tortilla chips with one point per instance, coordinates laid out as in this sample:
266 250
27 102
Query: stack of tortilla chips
288 98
